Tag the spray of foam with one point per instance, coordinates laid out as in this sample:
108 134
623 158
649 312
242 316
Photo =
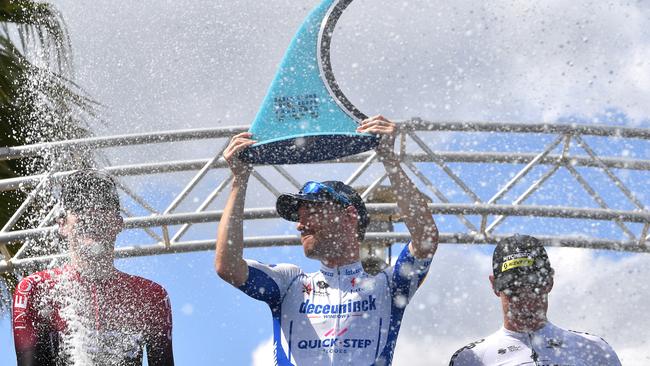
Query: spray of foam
50 108
75 312
85 341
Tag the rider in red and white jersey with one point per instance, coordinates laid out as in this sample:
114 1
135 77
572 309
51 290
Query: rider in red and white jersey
340 315
118 316
87 312
522 278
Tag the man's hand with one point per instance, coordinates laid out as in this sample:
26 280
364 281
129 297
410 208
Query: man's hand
379 125
238 143
412 203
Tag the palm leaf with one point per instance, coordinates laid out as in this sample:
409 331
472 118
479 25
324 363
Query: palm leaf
39 25
38 100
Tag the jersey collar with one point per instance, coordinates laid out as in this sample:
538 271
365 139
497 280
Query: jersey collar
548 327
348 270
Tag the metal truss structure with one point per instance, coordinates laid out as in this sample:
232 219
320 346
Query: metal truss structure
570 185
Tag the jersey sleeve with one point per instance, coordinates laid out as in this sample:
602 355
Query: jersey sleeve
269 282
600 353
159 344
465 357
608 356
25 320
407 275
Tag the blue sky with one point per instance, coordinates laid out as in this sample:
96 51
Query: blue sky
188 64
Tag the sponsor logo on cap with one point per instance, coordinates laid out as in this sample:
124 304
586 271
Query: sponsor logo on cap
515 263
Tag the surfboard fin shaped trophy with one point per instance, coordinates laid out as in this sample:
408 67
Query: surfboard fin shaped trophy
305 117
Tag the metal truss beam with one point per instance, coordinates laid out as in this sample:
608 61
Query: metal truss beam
11 184
468 209
378 238
439 173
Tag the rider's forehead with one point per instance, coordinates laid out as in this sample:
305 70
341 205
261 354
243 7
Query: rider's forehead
91 213
523 292
307 205
315 207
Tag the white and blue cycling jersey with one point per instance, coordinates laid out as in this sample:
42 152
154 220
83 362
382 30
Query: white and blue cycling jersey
336 316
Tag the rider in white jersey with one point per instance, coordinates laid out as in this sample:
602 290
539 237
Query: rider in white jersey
522 278
340 315
549 345
336 316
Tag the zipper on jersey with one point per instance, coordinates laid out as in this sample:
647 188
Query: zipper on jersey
338 318
533 356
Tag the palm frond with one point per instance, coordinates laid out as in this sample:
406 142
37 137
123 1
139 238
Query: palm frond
39 26
38 100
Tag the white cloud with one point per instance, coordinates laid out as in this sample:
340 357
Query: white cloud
500 60
263 354
202 63
187 309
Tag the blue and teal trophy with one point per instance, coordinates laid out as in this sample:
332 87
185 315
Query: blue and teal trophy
305 117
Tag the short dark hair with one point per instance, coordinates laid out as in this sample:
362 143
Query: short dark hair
89 189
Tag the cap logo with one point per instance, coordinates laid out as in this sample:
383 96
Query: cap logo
515 263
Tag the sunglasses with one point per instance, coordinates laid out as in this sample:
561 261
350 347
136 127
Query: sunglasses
320 189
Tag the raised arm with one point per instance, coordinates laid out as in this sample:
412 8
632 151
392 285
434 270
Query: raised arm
229 262
412 203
